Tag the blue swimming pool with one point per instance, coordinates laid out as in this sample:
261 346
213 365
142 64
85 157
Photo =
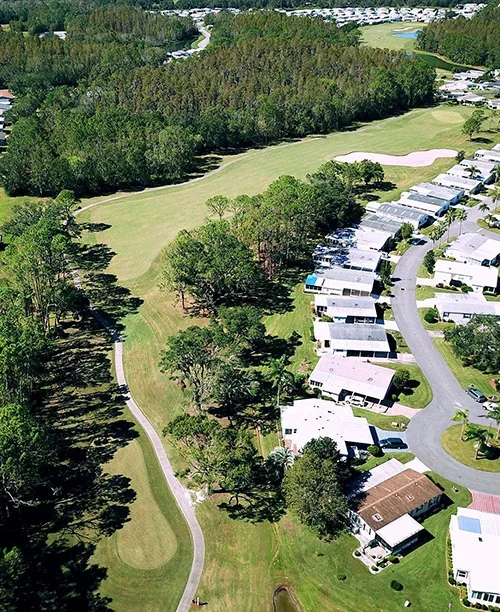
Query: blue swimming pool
407 34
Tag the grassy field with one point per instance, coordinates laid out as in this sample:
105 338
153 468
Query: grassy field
382 36
141 224
244 561
420 394
465 451
383 421
466 375
154 547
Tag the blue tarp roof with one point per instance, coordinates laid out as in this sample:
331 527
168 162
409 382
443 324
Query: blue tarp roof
466 523
311 279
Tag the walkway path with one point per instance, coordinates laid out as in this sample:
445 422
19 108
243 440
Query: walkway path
425 429
176 488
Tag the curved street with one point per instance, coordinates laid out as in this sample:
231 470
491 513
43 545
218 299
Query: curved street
425 429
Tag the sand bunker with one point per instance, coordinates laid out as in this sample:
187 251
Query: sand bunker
417 159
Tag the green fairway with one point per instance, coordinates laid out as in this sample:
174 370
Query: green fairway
244 561
465 451
141 224
382 36
466 375
153 548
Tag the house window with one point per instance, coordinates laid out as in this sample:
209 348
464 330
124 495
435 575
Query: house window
467 316
327 343
462 574
288 432
497 599
294 431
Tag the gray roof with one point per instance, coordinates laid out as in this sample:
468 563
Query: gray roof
380 222
436 191
350 331
464 303
345 274
417 197
403 212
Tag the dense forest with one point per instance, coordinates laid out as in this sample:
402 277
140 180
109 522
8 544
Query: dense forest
60 415
102 111
473 41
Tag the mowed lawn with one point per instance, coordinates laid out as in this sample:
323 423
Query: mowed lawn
141 224
382 36
244 561
465 451
154 548
419 392
466 375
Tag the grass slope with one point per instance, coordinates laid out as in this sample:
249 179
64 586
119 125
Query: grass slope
244 561
382 36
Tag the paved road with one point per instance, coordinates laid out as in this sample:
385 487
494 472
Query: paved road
425 429
179 493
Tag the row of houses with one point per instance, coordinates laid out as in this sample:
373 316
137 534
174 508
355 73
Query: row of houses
6 99
468 88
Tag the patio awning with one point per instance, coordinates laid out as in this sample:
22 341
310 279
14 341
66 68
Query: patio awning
400 530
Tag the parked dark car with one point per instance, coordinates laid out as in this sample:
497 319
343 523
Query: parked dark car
476 395
392 443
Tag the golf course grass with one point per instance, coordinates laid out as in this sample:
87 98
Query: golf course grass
381 35
465 451
245 561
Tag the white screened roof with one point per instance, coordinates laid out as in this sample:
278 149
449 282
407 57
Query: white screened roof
479 275
474 245
347 257
377 475
484 166
345 374
362 237
436 191
347 306
402 212
475 538
352 337
465 303
456 181
316 418
400 530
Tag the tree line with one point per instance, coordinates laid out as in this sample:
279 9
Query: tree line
59 418
473 41
102 112
236 375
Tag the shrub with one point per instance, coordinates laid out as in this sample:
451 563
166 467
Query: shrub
452 581
466 603
341 577
393 559
397 586
431 315
466 289
374 568
326 319
376 451
357 553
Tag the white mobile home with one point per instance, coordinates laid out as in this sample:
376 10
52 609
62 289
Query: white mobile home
480 278
344 339
340 281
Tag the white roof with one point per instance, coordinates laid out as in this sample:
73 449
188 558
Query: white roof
316 418
347 306
436 191
492 155
340 278
347 257
362 237
352 336
404 213
465 303
475 538
463 171
448 180
479 275
377 475
344 374
474 245
484 166
399 530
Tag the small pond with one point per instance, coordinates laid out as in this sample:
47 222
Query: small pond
283 601
413 34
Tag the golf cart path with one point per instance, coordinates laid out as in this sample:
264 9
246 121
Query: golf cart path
426 428
179 493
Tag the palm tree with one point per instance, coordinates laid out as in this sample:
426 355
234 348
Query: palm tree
461 216
280 459
436 233
480 435
472 170
484 207
449 218
495 415
490 219
463 417
281 377
495 195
